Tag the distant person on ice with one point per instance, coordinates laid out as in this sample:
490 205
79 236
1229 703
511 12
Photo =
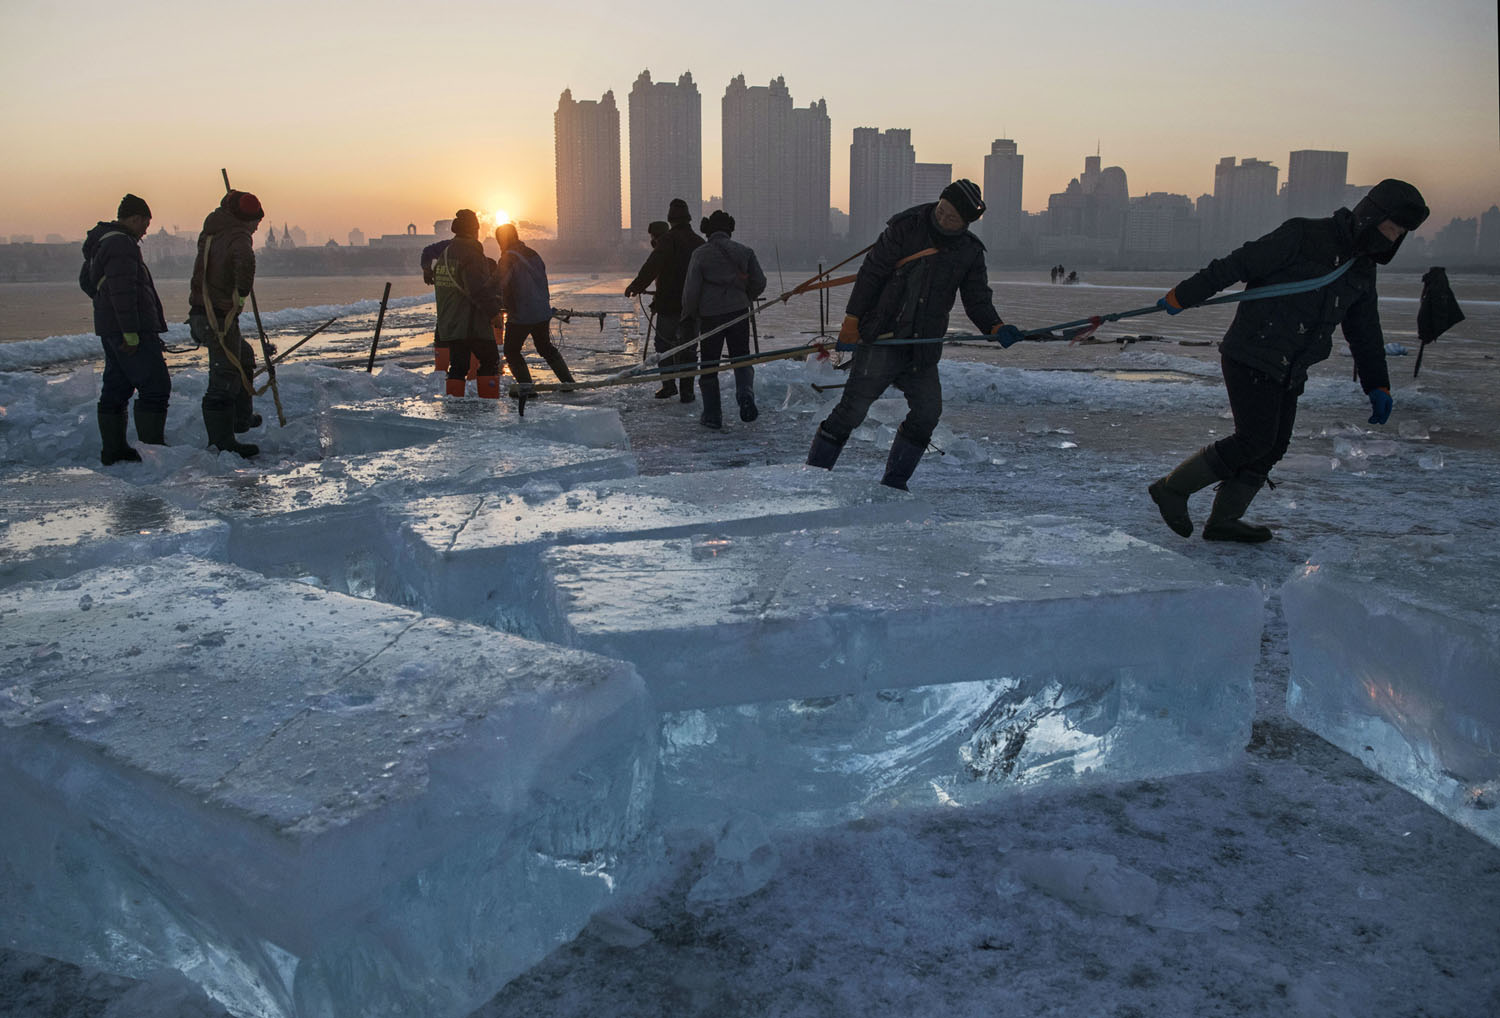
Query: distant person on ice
129 321
468 299
223 276
1271 343
925 258
528 306
723 279
430 254
667 266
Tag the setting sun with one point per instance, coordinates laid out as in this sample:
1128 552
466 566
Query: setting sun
501 217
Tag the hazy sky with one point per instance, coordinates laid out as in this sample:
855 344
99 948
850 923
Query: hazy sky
380 113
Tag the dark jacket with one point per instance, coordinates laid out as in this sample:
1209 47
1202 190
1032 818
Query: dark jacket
892 300
523 285
667 266
1283 336
229 265
723 278
430 254
467 294
116 278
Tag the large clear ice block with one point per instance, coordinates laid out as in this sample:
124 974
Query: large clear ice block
377 424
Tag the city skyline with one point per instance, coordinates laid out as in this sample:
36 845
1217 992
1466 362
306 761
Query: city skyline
336 130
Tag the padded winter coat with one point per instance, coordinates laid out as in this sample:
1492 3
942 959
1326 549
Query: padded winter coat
467 294
523 285
667 266
229 266
913 300
1282 337
723 277
115 276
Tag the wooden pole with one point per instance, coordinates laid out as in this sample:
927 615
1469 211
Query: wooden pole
379 321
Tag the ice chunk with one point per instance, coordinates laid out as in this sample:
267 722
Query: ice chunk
326 519
309 804
57 522
744 861
820 674
479 558
1399 667
377 424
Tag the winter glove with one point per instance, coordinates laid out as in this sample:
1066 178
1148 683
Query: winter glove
1380 405
1169 303
1006 335
848 333
132 343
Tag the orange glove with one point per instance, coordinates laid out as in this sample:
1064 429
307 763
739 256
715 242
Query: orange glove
1169 303
849 333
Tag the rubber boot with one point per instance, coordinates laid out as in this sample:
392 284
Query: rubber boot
711 416
219 423
685 389
112 445
744 393
903 459
455 387
488 386
245 416
150 426
668 389
1230 502
1171 493
825 450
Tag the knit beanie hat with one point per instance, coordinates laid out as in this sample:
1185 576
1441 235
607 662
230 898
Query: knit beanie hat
130 205
465 223
657 228
963 195
243 205
677 211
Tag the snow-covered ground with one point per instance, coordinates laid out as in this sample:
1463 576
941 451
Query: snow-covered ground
1295 882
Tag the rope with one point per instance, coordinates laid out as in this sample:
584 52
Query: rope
223 334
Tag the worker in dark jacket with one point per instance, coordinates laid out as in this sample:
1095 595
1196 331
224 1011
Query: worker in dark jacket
1271 343
925 258
667 267
430 254
223 276
723 279
468 299
528 306
129 321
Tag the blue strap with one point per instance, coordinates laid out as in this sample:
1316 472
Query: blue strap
1259 293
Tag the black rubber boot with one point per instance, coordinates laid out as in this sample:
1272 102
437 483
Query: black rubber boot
903 459
245 416
748 409
219 423
668 389
150 426
825 450
1230 502
1171 493
712 416
112 445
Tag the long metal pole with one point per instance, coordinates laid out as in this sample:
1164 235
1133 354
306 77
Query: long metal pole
379 321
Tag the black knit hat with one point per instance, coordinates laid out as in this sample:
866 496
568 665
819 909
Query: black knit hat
465 223
130 205
677 211
719 222
657 228
963 195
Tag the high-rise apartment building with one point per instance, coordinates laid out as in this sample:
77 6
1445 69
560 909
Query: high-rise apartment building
666 148
880 175
1245 205
1315 182
776 169
811 180
928 181
1000 228
587 139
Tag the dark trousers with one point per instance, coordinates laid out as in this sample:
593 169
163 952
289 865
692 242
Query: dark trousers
710 348
1264 412
516 334
913 369
483 349
142 374
225 386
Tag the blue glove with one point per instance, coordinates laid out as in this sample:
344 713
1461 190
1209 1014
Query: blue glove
1006 335
1380 406
1169 303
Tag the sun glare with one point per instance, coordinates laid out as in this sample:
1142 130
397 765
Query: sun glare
501 217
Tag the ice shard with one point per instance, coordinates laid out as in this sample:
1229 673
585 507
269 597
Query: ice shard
308 803
821 673
1402 670
57 522
479 557
377 424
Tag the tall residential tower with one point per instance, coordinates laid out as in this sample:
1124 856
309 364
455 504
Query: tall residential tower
587 138
666 148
